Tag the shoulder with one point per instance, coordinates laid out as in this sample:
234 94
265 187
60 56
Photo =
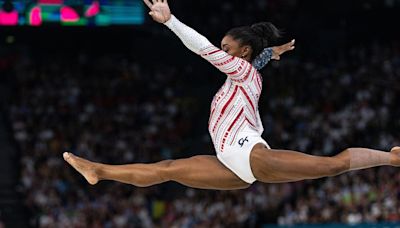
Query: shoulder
249 74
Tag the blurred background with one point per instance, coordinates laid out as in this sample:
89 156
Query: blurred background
100 79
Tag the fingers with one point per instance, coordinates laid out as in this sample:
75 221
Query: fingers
153 2
148 3
291 44
286 47
159 1
279 50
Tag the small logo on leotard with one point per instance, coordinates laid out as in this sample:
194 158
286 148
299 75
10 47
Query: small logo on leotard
242 141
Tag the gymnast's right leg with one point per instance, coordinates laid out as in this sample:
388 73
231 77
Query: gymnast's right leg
202 171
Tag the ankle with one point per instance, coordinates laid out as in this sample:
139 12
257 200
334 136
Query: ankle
98 169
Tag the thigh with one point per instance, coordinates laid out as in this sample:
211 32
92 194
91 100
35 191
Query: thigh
275 166
205 172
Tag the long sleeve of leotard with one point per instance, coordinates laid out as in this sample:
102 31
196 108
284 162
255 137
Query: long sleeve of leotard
262 59
236 68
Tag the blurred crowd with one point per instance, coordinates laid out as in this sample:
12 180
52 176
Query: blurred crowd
103 109
327 106
234 12
111 109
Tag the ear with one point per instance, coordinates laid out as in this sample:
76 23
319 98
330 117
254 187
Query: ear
246 51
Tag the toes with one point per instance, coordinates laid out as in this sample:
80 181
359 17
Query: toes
395 148
67 156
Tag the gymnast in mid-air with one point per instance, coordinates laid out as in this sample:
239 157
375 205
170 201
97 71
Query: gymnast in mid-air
242 156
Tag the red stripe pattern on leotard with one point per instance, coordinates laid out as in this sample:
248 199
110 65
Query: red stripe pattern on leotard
235 106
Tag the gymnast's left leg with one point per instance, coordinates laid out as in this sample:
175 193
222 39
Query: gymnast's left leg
202 171
276 166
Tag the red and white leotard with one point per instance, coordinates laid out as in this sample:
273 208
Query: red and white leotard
235 106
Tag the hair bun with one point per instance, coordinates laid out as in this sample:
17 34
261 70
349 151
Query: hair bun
266 31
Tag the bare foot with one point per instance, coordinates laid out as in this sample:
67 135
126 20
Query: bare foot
395 159
84 167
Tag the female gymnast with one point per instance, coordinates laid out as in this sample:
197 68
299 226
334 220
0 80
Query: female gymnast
242 156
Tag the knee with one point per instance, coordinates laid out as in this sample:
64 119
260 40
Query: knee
165 170
336 166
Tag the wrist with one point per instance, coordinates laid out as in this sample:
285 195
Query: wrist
270 53
169 20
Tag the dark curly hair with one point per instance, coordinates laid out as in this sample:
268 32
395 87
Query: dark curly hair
258 36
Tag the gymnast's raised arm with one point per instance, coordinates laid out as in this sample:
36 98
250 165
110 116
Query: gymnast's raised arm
234 67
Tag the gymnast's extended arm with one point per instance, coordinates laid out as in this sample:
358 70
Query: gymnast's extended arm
271 53
235 68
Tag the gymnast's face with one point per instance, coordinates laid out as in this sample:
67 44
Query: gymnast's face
235 48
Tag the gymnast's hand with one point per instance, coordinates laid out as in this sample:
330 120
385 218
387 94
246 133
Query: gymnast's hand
277 51
159 10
